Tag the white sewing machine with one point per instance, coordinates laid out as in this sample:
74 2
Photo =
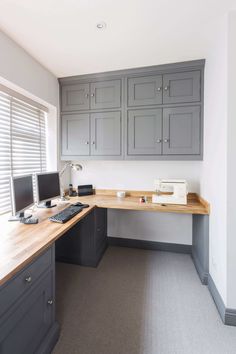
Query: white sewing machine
170 191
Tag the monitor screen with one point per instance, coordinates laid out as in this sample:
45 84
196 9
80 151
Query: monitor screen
23 196
48 185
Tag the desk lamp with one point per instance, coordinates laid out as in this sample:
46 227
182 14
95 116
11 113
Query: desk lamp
73 166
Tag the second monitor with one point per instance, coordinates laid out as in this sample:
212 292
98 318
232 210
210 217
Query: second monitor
48 188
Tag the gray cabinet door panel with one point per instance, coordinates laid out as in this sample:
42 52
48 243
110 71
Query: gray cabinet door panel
144 91
145 132
75 97
181 87
105 94
181 130
25 328
106 133
75 134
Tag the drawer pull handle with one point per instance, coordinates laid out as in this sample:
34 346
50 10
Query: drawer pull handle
50 302
28 279
92 95
166 88
158 141
166 140
159 89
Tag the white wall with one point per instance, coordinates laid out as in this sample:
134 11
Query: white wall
140 175
20 68
20 72
231 164
213 178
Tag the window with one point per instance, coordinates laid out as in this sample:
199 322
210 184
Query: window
22 142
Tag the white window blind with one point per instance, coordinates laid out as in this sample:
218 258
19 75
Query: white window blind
22 143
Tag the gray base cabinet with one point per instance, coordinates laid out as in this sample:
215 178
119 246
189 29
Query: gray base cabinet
150 113
27 321
84 243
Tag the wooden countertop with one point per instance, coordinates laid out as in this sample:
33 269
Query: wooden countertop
108 199
20 243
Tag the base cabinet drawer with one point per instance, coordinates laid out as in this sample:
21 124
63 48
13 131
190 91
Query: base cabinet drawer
24 327
24 281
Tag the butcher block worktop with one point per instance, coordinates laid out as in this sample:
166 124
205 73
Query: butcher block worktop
20 243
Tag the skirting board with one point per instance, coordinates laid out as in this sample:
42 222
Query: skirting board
203 275
149 245
227 315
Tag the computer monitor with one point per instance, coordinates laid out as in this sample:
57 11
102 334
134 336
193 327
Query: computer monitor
22 196
48 188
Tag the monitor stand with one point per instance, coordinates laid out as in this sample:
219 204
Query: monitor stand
47 205
19 216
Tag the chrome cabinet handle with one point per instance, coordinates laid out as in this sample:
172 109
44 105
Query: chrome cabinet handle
166 88
87 142
166 140
92 95
87 95
50 302
159 141
93 142
159 88
28 279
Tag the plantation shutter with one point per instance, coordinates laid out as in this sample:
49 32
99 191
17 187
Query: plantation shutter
22 142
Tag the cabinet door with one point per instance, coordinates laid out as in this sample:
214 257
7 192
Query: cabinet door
106 134
75 97
27 324
181 87
85 242
75 134
145 132
100 230
105 94
144 91
181 131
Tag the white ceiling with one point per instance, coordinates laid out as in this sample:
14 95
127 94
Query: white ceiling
62 34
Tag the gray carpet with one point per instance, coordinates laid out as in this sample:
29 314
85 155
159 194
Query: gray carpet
138 302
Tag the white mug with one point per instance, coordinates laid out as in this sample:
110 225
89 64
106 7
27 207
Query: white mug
120 194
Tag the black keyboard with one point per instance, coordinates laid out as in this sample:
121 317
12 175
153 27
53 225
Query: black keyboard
66 214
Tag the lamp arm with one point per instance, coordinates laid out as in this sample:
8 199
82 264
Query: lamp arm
64 168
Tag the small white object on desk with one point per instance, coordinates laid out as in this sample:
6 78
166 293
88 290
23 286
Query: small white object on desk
121 194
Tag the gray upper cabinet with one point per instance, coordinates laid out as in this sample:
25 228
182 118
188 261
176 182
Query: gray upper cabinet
181 87
143 91
75 97
105 94
75 134
181 131
106 134
145 132
150 113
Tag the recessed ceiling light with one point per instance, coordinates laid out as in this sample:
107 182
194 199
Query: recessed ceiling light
101 25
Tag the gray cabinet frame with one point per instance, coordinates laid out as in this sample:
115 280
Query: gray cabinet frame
165 71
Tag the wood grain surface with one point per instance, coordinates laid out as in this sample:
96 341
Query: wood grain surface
20 243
